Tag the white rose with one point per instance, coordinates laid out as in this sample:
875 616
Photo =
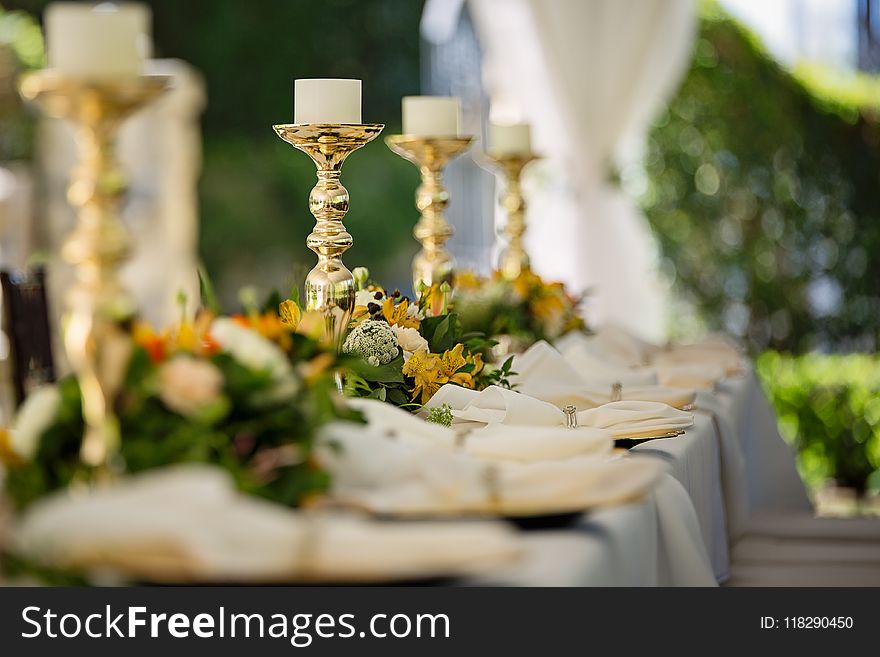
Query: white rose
365 297
33 418
257 353
188 385
412 310
410 340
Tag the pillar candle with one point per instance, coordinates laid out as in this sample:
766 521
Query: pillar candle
326 101
510 139
431 116
98 41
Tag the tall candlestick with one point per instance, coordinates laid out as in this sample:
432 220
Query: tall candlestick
510 139
326 101
431 116
98 41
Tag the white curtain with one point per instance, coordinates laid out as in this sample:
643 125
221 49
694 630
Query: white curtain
589 75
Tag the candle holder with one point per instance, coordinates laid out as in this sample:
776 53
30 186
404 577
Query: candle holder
513 259
433 264
95 338
329 287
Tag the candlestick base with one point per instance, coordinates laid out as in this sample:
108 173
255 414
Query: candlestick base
96 343
513 258
329 287
433 264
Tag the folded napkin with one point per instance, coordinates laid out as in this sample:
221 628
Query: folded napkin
712 353
491 443
189 524
496 405
697 376
562 380
385 476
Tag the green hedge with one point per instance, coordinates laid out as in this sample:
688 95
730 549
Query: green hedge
762 190
829 409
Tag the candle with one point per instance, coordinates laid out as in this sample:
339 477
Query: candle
326 101
510 139
431 116
98 41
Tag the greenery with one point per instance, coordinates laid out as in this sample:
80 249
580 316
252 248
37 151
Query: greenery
440 415
762 190
829 408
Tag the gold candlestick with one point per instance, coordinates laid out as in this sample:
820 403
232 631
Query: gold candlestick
94 338
329 287
513 259
433 264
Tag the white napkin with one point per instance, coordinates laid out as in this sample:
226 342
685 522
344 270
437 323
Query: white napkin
492 443
395 477
188 524
712 353
580 379
496 405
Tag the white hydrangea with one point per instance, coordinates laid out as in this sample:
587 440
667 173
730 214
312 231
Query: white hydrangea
372 340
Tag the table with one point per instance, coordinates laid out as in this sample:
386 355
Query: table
731 463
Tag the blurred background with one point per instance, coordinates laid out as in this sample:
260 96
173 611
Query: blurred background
751 196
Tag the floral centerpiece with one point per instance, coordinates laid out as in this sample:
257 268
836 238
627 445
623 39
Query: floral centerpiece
407 349
522 311
246 392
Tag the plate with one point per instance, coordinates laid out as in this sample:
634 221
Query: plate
636 439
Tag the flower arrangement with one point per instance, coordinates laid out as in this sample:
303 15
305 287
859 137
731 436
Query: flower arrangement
406 350
525 310
247 392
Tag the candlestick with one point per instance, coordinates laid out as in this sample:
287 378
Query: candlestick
329 287
431 116
433 264
95 338
326 101
98 41
513 259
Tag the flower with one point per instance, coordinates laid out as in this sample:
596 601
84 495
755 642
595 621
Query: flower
410 340
360 275
189 386
372 340
36 414
398 315
366 297
424 368
440 415
290 313
250 348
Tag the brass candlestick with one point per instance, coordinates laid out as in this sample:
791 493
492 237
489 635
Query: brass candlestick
433 264
329 287
513 259
94 337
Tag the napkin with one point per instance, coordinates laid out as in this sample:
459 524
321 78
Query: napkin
712 353
581 380
491 443
402 478
496 405
189 524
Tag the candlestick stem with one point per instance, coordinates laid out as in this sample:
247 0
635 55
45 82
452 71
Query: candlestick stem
513 258
95 339
433 264
329 286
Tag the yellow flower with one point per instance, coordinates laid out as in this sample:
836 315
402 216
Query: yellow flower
424 367
8 455
452 359
467 280
399 315
312 324
290 313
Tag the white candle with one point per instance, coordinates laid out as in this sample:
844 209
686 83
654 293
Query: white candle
431 116
510 139
98 41
326 101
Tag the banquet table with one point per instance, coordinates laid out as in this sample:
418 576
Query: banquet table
730 464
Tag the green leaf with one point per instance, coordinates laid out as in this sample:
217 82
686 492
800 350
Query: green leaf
389 373
208 297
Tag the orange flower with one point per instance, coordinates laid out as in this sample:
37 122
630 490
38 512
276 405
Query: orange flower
424 367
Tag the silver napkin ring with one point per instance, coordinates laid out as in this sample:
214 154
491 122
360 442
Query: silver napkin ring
616 391
571 418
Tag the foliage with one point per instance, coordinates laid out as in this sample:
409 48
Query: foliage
433 350
441 415
761 190
21 48
829 408
245 393
526 309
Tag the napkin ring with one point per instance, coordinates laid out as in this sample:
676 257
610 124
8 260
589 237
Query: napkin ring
616 391
571 418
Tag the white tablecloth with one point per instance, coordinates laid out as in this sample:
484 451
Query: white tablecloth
732 463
